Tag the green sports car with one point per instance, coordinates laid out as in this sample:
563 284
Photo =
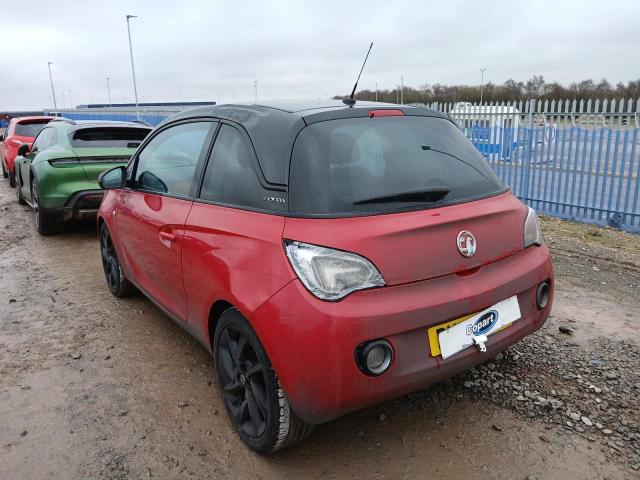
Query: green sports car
58 177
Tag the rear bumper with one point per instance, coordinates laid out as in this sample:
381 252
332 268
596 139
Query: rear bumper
10 158
312 343
81 205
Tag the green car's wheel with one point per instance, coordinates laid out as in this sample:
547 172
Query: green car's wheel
45 222
253 397
117 282
19 196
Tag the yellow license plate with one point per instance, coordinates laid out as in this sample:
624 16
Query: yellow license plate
432 333
434 343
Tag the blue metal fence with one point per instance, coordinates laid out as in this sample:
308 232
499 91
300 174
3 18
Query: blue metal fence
574 160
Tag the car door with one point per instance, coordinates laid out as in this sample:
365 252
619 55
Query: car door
152 212
41 142
233 241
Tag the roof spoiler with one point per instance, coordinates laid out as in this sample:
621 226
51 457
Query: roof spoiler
62 119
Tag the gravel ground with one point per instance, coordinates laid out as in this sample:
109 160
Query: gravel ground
95 387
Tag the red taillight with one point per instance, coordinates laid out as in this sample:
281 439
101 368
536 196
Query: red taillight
386 113
14 143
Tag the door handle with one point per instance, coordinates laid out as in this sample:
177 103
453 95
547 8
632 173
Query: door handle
168 236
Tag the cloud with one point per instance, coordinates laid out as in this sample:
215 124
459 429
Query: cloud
203 50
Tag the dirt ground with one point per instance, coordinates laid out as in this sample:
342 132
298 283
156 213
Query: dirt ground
100 388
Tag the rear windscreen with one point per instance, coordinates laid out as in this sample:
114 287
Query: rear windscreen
29 129
117 137
361 165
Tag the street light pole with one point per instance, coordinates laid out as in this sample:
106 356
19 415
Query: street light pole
108 92
255 90
53 93
133 70
376 91
482 70
401 90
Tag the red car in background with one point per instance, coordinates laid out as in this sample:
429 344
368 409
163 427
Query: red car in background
20 130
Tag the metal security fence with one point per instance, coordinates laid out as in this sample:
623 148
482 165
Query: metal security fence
578 160
575 160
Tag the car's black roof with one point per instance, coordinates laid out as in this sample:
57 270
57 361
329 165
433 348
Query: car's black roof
274 126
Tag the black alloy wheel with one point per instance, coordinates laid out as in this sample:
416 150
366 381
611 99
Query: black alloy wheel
243 383
12 178
35 202
19 196
252 394
117 282
47 223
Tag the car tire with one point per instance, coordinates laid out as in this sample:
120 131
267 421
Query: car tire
46 223
12 179
5 174
19 196
118 284
254 399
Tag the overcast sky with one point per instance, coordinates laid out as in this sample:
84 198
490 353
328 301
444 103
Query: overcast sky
214 50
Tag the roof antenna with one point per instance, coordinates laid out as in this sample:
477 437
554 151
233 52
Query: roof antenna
351 101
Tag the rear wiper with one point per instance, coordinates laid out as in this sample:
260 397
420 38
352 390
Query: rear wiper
431 149
429 194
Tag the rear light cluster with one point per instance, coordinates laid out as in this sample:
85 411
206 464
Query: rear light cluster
387 112
331 274
63 162
532 232
14 143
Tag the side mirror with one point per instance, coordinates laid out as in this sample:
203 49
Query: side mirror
23 150
114 178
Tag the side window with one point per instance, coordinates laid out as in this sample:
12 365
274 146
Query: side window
43 140
230 176
168 162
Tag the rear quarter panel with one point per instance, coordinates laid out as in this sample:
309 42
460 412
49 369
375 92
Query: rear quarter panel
57 184
232 255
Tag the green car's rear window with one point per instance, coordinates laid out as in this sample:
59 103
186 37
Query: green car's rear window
118 137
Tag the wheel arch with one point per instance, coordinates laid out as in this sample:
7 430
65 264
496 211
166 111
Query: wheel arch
32 177
99 222
216 311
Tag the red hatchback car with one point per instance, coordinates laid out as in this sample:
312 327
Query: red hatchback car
329 257
20 130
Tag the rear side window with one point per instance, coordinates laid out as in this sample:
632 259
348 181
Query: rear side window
100 137
168 162
31 129
230 176
45 139
361 165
